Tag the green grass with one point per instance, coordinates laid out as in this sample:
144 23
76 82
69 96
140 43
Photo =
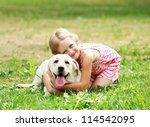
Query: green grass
70 9
25 29
131 93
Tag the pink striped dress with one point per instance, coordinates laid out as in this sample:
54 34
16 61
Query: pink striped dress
107 65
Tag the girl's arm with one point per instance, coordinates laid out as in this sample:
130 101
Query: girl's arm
47 80
85 75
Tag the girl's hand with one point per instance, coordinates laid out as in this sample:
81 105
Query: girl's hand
50 83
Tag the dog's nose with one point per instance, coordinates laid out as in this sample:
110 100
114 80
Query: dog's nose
61 69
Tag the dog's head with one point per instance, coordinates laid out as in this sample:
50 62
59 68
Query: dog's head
64 69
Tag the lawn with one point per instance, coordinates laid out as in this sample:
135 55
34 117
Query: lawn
25 27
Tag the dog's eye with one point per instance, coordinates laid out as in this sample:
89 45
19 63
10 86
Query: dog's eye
66 62
56 61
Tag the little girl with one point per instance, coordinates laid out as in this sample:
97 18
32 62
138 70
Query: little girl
99 63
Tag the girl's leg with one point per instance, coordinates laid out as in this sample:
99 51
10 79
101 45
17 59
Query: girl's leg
100 81
108 76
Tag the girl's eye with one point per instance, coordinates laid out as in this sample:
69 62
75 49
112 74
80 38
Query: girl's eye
67 62
65 52
71 46
56 61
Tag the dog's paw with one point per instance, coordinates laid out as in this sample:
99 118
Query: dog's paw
46 93
34 88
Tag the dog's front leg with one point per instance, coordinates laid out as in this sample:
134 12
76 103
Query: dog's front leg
48 85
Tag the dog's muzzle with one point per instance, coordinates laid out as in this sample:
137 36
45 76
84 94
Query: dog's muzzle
61 71
60 77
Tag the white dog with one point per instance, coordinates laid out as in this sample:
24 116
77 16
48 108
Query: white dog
62 67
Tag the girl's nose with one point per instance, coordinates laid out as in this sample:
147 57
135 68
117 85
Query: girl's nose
70 51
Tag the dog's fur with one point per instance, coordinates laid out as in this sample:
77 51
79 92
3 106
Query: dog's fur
63 69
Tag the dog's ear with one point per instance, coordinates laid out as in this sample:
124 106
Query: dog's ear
76 67
49 66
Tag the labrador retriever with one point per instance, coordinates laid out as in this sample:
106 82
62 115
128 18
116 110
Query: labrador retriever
63 68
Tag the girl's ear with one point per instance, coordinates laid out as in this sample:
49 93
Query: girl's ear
76 38
77 41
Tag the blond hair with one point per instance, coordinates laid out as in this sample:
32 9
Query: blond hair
58 36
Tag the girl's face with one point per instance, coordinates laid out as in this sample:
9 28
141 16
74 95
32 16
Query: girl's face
69 47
